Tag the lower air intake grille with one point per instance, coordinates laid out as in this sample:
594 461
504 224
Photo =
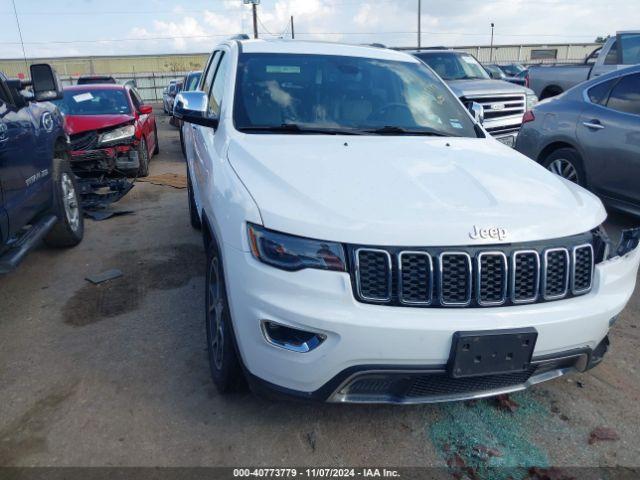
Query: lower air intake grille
437 385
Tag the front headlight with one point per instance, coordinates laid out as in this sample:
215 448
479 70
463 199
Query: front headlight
289 252
532 100
118 134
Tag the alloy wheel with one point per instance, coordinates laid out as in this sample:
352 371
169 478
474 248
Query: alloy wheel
70 201
565 169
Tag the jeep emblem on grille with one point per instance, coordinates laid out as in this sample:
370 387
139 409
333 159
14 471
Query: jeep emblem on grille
498 106
495 233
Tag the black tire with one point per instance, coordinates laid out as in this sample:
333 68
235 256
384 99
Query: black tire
143 157
156 149
193 210
184 151
567 163
69 229
226 370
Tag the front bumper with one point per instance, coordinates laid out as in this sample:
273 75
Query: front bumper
122 158
362 337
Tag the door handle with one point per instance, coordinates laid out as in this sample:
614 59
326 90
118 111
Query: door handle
593 124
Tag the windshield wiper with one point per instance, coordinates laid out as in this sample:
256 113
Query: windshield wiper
295 128
389 129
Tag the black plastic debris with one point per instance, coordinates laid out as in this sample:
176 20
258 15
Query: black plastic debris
104 276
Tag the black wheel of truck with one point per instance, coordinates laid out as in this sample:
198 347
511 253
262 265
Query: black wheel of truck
567 163
143 157
156 149
193 210
69 229
226 371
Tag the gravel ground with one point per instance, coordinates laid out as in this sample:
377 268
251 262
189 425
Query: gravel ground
117 374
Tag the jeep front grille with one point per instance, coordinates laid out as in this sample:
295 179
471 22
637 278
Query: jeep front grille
473 276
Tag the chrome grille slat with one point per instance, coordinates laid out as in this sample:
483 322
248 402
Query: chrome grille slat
414 277
451 276
369 261
582 264
530 270
491 285
555 278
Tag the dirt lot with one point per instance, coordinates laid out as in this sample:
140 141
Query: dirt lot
117 374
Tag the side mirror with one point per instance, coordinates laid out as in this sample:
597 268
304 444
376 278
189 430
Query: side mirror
477 111
496 75
145 109
45 83
191 107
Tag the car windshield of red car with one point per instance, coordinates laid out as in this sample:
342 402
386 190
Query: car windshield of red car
94 102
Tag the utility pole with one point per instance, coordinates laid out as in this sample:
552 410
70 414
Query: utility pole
293 32
491 49
254 8
419 23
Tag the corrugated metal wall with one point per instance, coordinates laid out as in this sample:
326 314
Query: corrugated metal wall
126 65
523 53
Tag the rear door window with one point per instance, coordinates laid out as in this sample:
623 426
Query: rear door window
600 93
625 96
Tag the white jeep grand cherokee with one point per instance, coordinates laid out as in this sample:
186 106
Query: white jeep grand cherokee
367 241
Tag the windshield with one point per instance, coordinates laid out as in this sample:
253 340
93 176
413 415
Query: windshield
353 94
454 66
513 69
94 102
192 81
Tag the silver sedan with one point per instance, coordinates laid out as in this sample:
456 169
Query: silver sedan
591 135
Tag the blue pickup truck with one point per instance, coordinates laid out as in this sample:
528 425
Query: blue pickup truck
39 197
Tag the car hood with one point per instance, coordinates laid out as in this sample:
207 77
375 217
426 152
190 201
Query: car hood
467 88
408 191
84 123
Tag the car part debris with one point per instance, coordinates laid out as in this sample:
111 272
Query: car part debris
167 179
99 192
99 215
104 276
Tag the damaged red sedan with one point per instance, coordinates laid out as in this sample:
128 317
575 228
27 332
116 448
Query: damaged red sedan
111 130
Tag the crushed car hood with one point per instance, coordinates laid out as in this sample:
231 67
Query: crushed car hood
84 123
409 191
469 88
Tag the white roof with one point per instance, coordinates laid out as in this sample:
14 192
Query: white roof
323 48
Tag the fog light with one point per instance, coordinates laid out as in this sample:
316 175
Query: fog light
289 338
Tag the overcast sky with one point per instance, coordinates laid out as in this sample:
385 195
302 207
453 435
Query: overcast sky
101 27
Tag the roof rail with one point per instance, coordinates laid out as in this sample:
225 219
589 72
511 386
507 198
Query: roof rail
377 45
240 36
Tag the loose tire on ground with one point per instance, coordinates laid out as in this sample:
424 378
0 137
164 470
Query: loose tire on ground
69 229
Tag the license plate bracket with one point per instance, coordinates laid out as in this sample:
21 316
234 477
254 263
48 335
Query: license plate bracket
509 140
491 352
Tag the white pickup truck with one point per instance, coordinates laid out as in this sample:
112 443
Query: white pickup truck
619 51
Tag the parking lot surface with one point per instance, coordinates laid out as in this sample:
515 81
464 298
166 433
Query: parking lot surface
117 375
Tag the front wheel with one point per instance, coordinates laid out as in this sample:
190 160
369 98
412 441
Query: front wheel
143 157
223 359
69 229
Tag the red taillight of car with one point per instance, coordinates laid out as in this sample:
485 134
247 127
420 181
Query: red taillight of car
526 80
528 117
